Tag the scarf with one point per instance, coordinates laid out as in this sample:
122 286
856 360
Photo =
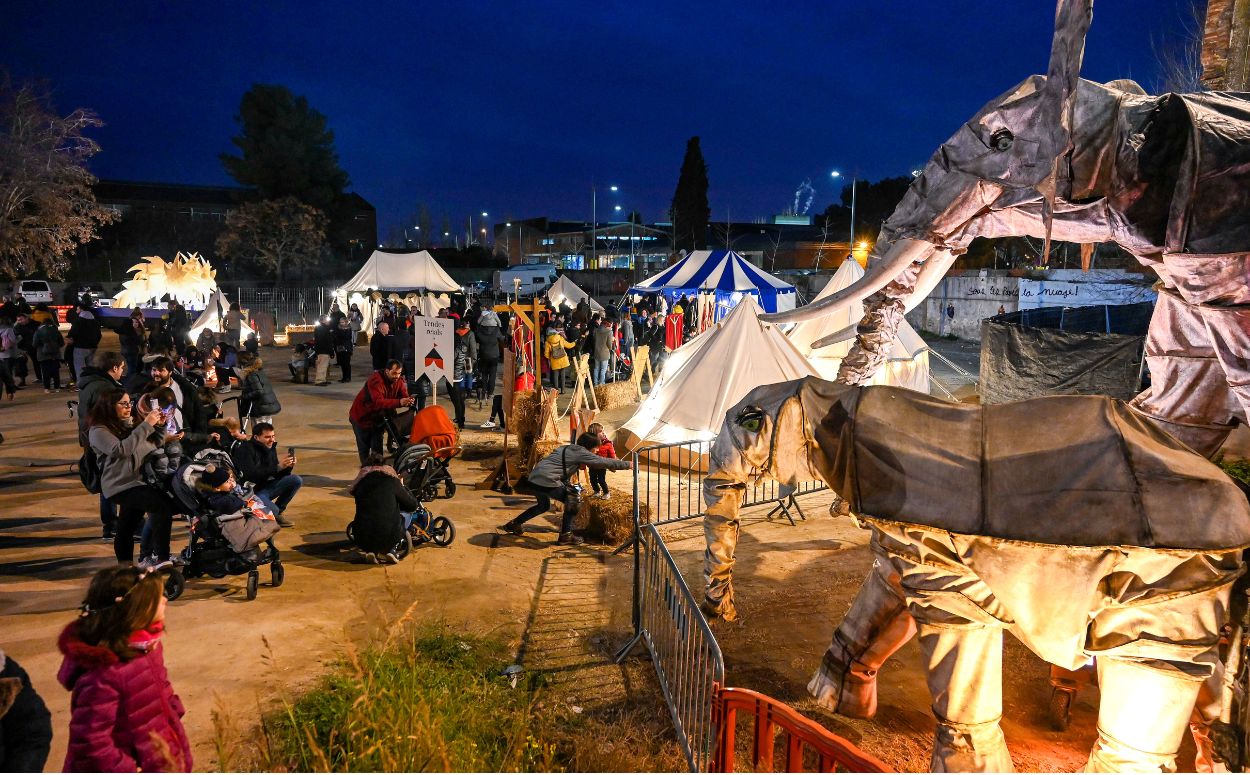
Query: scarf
147 639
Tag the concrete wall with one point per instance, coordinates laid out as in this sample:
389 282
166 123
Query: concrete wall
986 294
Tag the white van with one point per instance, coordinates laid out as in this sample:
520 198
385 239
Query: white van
535 278
34 291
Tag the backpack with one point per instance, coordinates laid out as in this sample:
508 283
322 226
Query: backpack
89 471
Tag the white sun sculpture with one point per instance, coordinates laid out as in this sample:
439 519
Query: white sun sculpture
189 279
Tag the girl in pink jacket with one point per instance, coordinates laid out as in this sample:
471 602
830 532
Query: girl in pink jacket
124 715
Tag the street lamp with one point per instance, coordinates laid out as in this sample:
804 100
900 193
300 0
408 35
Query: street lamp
594 221
854 180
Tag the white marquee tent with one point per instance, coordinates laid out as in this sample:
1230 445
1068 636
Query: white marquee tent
394 272
565 291
908 362
704 378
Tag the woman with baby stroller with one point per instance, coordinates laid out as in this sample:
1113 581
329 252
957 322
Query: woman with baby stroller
388 516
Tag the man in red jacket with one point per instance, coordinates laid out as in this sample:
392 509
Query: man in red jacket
384 391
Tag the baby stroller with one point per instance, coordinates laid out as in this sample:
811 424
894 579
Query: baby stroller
425 528
221 544
425 462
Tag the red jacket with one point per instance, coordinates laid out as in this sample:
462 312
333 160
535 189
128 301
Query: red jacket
124 716
375 398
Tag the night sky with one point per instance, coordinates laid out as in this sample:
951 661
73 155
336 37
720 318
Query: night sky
518 109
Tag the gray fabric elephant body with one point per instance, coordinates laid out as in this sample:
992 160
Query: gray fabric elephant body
1070 521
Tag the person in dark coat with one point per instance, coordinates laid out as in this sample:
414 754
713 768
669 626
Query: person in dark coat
25 723
323 349
344 343
401 350
159 341
380 346
257 462
179 326
132 335
84 336
383 508
257 398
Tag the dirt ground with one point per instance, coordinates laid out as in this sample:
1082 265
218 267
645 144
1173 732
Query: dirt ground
566 609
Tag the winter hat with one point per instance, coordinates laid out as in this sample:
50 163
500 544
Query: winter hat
214 476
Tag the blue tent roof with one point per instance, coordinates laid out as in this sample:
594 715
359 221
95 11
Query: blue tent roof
723 273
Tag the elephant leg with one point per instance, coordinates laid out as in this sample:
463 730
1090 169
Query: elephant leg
1142 716
964 667
1206 712
877 625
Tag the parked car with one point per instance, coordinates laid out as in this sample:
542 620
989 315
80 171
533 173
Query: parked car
34 291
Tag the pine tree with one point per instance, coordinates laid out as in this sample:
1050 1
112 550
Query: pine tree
690 208
286 149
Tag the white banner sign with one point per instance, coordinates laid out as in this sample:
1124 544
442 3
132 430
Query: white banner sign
435 343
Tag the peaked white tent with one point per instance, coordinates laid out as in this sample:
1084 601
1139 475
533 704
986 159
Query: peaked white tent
401 272
704 378
213 318
908 362
565 291
408 271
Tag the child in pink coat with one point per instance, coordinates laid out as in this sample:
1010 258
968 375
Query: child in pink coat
124 715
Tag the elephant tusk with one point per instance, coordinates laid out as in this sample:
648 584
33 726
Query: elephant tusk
879 275
844 335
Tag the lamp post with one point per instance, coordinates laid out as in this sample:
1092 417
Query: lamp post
594 222
854 180
484 216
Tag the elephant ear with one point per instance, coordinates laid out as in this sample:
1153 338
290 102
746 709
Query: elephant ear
1067 50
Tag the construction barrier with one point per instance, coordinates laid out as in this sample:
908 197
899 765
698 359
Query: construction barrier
778 726
686 656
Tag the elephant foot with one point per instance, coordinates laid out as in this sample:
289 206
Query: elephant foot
847 695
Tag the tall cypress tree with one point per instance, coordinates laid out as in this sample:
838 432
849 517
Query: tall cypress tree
690 208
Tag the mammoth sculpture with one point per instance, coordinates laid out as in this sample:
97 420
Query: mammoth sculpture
1165 177
1056 519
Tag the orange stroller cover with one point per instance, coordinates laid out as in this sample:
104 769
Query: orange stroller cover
432 426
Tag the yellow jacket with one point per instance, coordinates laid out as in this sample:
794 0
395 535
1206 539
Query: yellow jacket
557 341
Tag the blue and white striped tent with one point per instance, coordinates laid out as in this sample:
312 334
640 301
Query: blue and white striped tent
723 274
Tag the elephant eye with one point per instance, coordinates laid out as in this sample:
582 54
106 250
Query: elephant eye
1002 139
750 419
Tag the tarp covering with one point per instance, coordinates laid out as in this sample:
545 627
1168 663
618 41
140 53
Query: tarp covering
565 291
723 274
1059 350
709 374
908 362
412 271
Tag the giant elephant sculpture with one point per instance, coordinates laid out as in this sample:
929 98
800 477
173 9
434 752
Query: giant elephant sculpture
1165 177
1070 521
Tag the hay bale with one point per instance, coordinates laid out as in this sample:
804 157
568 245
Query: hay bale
614 395
472 451
610 521
526 406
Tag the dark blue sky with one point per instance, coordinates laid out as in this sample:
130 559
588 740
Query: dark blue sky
516 108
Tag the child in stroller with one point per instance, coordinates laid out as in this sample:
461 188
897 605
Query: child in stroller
231 528
425 461
389 520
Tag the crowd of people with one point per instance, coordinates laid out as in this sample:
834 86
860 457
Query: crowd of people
146 407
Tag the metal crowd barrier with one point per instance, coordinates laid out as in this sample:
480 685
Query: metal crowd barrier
686 656
668 488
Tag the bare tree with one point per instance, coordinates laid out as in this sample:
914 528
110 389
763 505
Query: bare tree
47 207
1180 55
774 248
276 233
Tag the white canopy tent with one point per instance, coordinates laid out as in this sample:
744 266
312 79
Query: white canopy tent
908 362
565 291
704 378
408 271
213 318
